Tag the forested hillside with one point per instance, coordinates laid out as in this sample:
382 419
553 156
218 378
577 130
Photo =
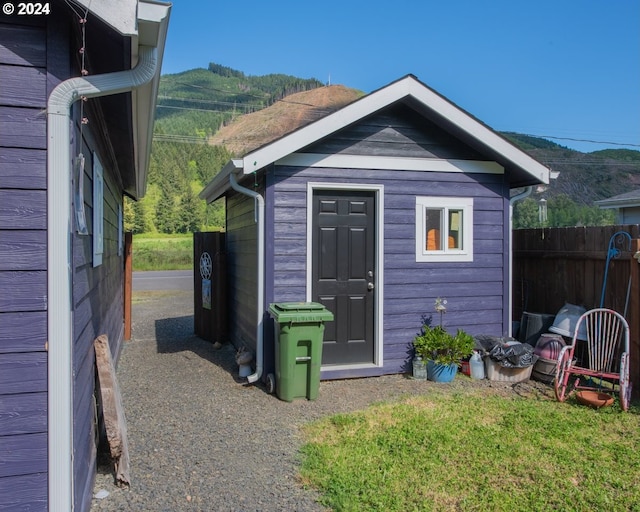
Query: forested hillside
190 146
192 106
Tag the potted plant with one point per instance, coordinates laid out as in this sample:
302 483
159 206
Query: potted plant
441 350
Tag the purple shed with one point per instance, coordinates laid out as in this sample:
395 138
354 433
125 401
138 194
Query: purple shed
375 211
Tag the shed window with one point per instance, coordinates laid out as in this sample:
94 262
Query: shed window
444 228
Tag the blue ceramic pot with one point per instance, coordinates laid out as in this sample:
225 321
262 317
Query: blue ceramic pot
437 372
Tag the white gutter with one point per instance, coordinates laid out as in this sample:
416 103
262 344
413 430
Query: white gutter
512 201
59 270
259 218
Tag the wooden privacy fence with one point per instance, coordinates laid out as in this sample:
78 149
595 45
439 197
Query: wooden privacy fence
554 266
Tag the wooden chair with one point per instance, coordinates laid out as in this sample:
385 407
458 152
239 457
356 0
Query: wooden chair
605 362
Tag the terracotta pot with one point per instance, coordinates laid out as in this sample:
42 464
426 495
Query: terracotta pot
594 399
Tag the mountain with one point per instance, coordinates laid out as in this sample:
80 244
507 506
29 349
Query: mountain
584 177
251 131
195 104
206 116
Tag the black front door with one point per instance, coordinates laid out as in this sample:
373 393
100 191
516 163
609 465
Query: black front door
343 248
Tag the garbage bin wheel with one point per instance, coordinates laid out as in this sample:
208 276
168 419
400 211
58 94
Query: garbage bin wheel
271 383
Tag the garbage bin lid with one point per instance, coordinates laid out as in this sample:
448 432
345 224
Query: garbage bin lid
299 312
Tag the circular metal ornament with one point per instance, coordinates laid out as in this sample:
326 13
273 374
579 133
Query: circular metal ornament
205 265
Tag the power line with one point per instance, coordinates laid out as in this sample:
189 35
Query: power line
213 102
582 140
212 111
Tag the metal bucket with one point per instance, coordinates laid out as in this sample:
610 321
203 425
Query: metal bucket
544 370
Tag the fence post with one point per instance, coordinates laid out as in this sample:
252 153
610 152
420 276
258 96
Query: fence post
633 316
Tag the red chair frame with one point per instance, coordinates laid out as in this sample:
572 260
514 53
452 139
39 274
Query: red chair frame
607 357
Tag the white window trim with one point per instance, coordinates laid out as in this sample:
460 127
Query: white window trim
98 211
445 255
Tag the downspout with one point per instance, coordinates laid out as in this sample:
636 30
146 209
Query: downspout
512 201
59 265
259 219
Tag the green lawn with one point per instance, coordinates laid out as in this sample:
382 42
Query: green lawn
473 450
162 252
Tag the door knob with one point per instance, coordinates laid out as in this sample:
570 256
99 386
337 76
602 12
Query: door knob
370 286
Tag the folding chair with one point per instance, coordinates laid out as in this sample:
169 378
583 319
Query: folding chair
605 362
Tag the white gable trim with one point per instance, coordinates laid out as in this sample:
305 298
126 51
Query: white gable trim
338 161
404 88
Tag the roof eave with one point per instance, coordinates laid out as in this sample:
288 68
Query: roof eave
614 204
152 23
219 185
508 155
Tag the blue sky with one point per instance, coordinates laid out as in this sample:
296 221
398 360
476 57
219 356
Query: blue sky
562 68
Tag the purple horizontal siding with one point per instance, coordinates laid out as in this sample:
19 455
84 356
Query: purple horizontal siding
23 46
23 332
23 127
23 413
23 455
23 169
23 209
28 291
23 372
24 492
23 86
475 290
23 250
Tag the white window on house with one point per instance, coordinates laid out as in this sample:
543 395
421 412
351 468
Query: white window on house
98 211
444 228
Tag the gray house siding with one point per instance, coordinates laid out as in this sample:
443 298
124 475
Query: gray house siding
23 265
628 215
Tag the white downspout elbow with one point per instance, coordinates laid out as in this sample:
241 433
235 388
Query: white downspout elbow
59 271
259 219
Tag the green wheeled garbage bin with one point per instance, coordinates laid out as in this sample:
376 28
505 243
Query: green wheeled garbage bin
298 348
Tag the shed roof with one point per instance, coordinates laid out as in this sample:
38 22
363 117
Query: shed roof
626 200
522 168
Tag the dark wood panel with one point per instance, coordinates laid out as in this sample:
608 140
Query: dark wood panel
23 209
23 373
23 291
23 128
23 250
25 413
23 46
23 332
24 492
23 168
23 455
23 87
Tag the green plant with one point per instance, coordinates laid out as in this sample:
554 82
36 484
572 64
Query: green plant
437 344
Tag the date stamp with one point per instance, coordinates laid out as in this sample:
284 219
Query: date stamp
26 8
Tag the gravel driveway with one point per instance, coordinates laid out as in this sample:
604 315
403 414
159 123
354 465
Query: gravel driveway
201 439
